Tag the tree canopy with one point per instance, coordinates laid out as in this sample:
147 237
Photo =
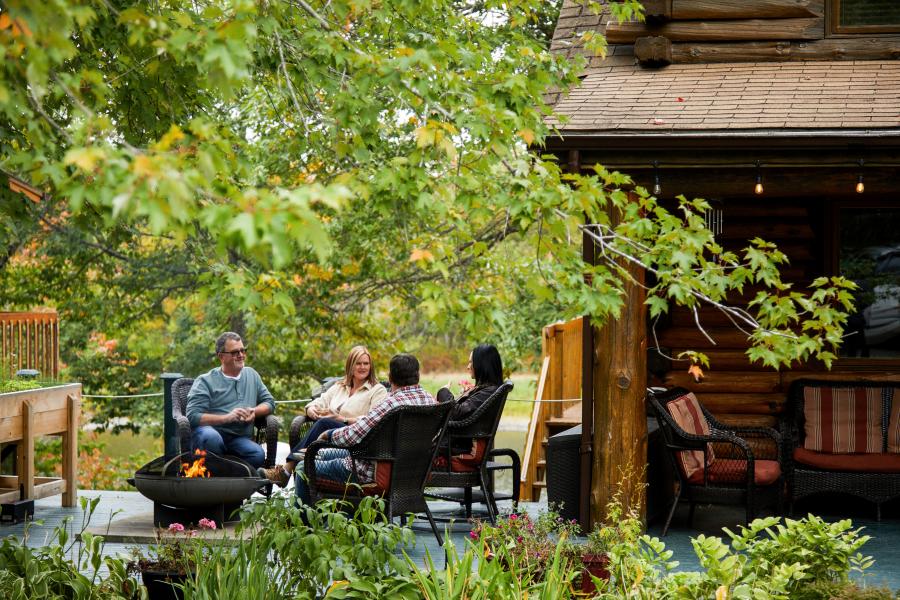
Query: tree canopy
317 174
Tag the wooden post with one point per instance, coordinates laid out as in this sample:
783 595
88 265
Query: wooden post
70 451
620 420
26 476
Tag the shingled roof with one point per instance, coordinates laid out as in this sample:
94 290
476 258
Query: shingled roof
618 96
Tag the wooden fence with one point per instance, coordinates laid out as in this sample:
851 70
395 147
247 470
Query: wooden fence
29 340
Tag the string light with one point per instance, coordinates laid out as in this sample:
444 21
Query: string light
860 187
758 188
657 188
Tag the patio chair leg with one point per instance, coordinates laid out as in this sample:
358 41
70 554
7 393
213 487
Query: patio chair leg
672 511
878 511
468 500
434 528
488 500
691 514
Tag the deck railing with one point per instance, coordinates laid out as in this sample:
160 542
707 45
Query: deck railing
29 340
560 379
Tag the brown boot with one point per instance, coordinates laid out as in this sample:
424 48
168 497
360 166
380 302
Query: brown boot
275 474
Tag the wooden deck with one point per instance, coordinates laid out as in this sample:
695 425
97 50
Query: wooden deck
125 507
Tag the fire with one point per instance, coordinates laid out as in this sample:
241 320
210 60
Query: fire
196 468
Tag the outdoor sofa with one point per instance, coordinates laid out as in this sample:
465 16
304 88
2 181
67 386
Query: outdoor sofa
844 437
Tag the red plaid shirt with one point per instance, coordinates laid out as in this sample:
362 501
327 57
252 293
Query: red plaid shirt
411 395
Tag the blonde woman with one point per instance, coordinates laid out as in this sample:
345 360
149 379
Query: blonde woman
342 404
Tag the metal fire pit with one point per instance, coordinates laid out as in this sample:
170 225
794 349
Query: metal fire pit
188 499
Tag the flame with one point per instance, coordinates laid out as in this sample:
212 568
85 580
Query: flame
196 468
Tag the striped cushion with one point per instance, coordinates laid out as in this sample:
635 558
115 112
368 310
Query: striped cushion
893 432
843 420
686 412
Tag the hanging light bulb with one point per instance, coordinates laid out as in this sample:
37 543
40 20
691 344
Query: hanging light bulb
758 188
657 188
860 187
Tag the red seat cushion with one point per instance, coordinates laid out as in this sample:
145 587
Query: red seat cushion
730 470
376 488
842 420
687 413
861 463
464 463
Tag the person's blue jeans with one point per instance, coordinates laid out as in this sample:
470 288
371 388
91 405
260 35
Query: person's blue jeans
318 427
329 465
209 438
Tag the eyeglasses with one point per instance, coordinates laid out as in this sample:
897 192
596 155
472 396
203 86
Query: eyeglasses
235 353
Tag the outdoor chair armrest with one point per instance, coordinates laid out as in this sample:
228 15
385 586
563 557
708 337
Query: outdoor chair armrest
297 427
183 427
267 428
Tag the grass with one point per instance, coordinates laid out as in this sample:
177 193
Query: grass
518 404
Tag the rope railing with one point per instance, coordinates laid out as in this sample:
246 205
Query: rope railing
299 400
122 396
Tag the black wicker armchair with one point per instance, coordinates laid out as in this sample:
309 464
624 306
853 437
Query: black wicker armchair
715 463
473 469
266 427
403 445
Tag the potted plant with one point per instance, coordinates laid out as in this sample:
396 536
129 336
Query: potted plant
527 546
175 557
594 560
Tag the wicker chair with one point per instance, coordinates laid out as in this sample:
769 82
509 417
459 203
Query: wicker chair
475 469
266 427
404 444
732 465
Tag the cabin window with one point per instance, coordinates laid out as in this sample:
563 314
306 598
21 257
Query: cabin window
865 16
870 256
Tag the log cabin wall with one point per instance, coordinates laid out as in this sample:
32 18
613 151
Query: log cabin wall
710 31
734 389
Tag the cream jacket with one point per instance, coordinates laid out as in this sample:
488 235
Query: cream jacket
338 399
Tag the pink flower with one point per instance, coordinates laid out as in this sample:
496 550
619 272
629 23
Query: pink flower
176 527
473 535
513 517
205 523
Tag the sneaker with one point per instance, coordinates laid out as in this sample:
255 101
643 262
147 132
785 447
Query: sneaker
275 474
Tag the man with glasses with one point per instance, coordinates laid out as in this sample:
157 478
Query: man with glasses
223 404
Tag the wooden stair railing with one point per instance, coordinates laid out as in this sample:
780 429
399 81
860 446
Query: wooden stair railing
560 380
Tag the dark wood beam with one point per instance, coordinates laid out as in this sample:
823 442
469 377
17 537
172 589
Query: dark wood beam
746 9
732 30
811 183
657 11
881 48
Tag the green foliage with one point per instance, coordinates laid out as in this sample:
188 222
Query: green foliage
320 174
491 578
282 552
529 547
19 385
296 553
53 571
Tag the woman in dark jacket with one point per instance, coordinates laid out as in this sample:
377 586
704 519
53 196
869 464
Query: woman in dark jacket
486 368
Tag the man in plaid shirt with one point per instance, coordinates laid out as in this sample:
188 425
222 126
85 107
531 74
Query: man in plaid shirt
334 463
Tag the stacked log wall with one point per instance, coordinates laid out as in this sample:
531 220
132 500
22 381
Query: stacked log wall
709 31
736 390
